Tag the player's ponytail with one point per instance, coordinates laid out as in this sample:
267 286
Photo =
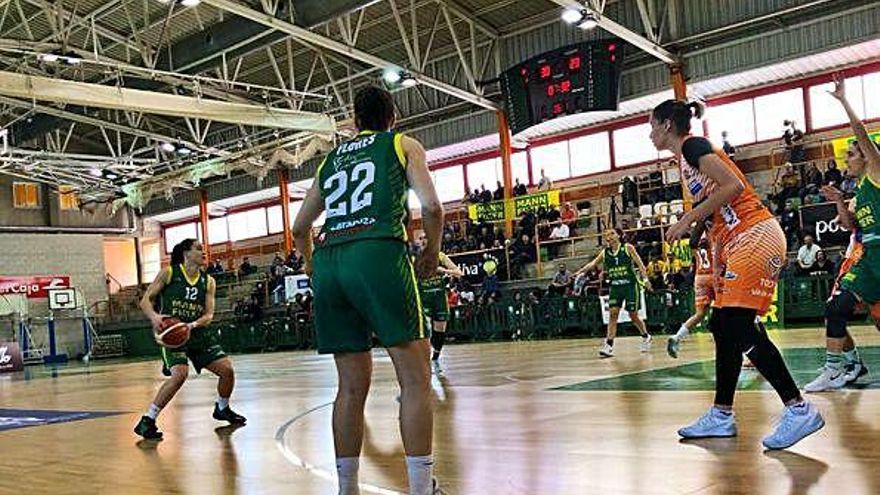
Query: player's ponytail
177 254
679 114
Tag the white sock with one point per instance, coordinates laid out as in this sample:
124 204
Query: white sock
347 472
153 411
222 403
682 332
420 470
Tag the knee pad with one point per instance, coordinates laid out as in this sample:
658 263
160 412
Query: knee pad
837 310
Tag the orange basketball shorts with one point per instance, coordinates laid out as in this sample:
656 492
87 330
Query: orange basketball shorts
748 266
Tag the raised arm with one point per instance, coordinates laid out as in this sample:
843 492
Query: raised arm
866 145
448 267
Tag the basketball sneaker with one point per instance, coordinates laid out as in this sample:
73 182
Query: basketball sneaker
228 415
146 428
797 422
827 380
435 367
672 346
714 424
645 346
606 351
855 371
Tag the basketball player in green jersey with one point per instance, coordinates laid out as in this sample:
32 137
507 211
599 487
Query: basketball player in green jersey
620 262
861 284
186 292
365 282
433 294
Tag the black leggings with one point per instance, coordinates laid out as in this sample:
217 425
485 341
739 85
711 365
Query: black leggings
736 334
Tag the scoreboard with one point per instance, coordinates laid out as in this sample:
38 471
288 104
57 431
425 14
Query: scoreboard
578 78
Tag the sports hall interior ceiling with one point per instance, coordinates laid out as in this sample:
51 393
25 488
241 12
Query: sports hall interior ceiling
129 92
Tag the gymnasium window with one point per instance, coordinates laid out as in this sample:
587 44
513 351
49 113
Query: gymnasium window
449 183
737 118
247 224
152 262
553 159
483 173
590 154
519 168
771 110
276 223
68 199
174 235
218 231
871 86
633 145
827 111
25 195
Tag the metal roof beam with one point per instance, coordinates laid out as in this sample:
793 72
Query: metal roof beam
457 9
623 32
329 44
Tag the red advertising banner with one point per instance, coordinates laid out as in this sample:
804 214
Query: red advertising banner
32 287
10 357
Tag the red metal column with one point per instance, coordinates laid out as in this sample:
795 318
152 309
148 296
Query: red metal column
203 218
504 132
285 210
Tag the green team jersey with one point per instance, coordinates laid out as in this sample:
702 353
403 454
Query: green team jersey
183 297
364 188
867 211
619 266
435 283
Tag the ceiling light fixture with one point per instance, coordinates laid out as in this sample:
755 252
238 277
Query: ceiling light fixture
580 17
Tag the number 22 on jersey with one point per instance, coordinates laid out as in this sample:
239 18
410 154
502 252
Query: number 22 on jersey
338 203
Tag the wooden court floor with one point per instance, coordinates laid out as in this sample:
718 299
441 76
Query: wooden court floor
511 418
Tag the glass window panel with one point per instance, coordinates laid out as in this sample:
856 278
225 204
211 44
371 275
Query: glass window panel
871 84
519 166
247 224
295 206
276 222
482 173
449 182
553 159
736 118
633 145
590 154
771 110
217 230
174 235
828 112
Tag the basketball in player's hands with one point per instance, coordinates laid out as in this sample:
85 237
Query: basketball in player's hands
172 333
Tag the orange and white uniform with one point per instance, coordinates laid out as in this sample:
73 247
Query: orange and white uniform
747 242
704 279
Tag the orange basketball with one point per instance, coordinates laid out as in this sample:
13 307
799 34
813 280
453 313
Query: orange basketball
173 333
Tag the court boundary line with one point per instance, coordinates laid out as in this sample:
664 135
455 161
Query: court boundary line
324 474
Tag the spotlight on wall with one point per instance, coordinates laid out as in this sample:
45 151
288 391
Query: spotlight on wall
57 56
399 77
167 147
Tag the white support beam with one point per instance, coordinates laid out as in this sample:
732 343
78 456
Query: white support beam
95 95
624 33
351 52
469 16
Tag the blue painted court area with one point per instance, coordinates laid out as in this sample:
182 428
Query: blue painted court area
11 419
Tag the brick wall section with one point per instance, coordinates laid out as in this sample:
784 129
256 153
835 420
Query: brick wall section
78 255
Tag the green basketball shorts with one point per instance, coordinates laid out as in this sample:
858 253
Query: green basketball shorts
863 279
624 296
363 288
435 304
202 349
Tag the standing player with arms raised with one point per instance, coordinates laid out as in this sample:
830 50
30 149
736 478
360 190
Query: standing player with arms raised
186 292
749 247
860 273
364 281
621 262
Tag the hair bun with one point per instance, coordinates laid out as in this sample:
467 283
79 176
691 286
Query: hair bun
697 109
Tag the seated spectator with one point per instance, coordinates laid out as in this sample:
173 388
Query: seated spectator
522 251
790 223
794 142
474 197
832 174
559 232
569 216
246 267
806 256
822 266
499 191
544 184
519 189
728 148
848 186
812 177
215 268
561 281
485 194
787 184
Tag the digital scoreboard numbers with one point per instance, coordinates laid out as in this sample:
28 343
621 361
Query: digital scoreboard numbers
566 81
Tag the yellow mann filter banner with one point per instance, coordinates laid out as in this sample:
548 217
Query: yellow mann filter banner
840 146
497 211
